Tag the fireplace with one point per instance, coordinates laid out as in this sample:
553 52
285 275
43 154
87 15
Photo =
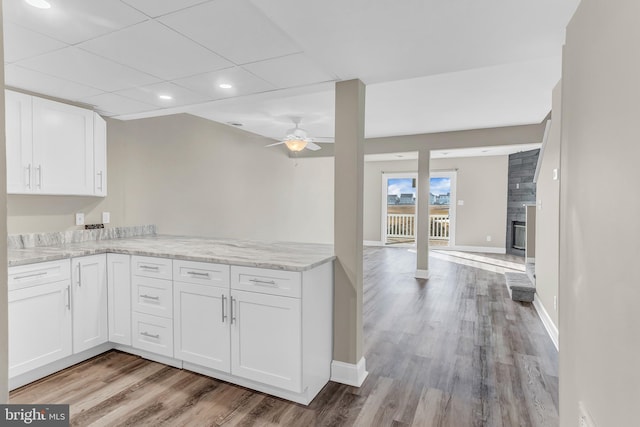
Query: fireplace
519 235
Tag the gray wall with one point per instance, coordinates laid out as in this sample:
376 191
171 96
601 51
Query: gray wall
196 177
548 215
599 291
522 190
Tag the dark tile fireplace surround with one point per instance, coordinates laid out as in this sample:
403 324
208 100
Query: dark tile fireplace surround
522 191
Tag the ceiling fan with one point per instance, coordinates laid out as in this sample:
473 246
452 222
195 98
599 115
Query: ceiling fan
297 139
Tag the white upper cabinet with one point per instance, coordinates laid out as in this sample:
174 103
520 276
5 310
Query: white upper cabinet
19 142
99 155
54 148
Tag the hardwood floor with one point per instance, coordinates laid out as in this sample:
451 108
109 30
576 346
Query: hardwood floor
450 351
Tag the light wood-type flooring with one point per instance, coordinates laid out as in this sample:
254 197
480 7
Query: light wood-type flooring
450 351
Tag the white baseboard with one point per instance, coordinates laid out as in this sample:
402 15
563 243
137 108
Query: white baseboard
372 243
552 330
422 274
484 249
530 260
348 373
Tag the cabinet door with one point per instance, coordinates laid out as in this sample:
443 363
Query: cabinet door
62 148
201 325
119 295
99 155
39 326
89 292
19 142
265 339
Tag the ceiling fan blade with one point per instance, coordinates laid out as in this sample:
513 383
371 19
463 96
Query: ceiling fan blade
275 143
313 147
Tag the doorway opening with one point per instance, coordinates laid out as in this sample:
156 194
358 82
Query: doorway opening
400 208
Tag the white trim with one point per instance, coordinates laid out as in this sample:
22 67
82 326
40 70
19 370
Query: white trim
372 243
552 330
545 137
422 274
348 373
485 249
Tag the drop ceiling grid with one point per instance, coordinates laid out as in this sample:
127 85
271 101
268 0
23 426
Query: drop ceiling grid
107 61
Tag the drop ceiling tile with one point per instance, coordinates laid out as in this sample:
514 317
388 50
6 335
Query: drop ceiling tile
289 71
111 104
155 8
21 43
157 50
243 83
73 21
44 84
234 29
150 95
88 69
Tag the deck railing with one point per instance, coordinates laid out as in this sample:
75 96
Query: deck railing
404 225
439 227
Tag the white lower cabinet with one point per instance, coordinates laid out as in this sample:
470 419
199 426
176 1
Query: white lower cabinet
153 333
201 325
119 298
39 326
89 291
265 339
152 305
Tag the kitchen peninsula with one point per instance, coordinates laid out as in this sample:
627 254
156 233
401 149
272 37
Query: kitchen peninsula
257 314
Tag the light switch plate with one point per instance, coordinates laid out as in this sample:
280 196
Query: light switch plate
106 217
555 174
79 219
460 202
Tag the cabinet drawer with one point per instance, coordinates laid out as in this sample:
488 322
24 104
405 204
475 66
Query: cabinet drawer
159 268
272 282
152 296
201 273
24 276
153 333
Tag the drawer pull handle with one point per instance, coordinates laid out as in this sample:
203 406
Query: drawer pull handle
150 297
27 276
147 334
263 282
150 267
195 273
224 316
68 305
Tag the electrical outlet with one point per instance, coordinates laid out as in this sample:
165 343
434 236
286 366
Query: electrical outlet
106 217
555 174
79 219
488 238
460 202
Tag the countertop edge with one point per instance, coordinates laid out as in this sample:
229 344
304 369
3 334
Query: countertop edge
75 253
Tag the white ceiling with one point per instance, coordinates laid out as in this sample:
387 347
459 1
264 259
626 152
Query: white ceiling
499 150
429 65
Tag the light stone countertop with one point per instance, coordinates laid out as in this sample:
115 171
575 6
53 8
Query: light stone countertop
275 255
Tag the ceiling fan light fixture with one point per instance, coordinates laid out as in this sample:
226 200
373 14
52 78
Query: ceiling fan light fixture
295 145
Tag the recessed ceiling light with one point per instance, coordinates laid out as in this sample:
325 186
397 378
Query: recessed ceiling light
165 97
225 86
485 151
238 124
40 4
399 155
